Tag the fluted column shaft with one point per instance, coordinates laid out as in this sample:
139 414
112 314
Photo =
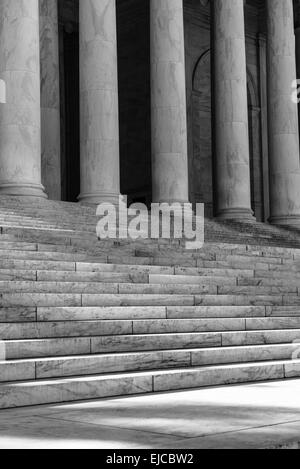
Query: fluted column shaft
231 132
20 121
283 115
100 166
50 98
168 102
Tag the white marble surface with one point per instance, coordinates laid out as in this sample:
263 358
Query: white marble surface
283 115
168 102
231 111
100 166
20 123
248 416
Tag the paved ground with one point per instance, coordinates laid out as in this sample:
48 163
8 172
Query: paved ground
249 416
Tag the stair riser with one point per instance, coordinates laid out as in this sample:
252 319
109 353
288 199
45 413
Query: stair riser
8 246
76 390
11 397
48 314
168 299
108 277
61 329
93 365
90 313
157 326
37 265
197 312
202 340
18 314
47 348
104 288
51 256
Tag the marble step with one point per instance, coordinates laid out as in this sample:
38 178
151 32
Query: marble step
13 246
259 290
90 328
150 312
267 282
225 281
43 255
172 298
63 266
60 367
110 263
24 222
112 288
190 312
148 342
26 393
142 276
27 314
73 277
56 329
287 311
41 330
18 314
35 252
58 299
237 273
14 264
61 346
248 263
47 235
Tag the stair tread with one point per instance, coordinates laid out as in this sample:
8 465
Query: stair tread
144 353
151 373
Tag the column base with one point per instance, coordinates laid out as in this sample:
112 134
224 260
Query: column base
99 198
288 220
237 214
23 190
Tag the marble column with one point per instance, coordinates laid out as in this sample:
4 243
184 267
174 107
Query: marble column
100 165
297 37
231 134
50 98
168 104
20 118
283 115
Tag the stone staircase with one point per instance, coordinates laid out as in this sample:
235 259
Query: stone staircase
85 319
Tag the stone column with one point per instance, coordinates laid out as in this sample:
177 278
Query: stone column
100 165
20 136
231 134
297 35
168 106
282 115
50 98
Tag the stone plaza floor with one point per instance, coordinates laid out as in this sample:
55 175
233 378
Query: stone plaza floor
260 415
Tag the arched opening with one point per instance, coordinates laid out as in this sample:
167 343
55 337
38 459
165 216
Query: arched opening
201 173
201 177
